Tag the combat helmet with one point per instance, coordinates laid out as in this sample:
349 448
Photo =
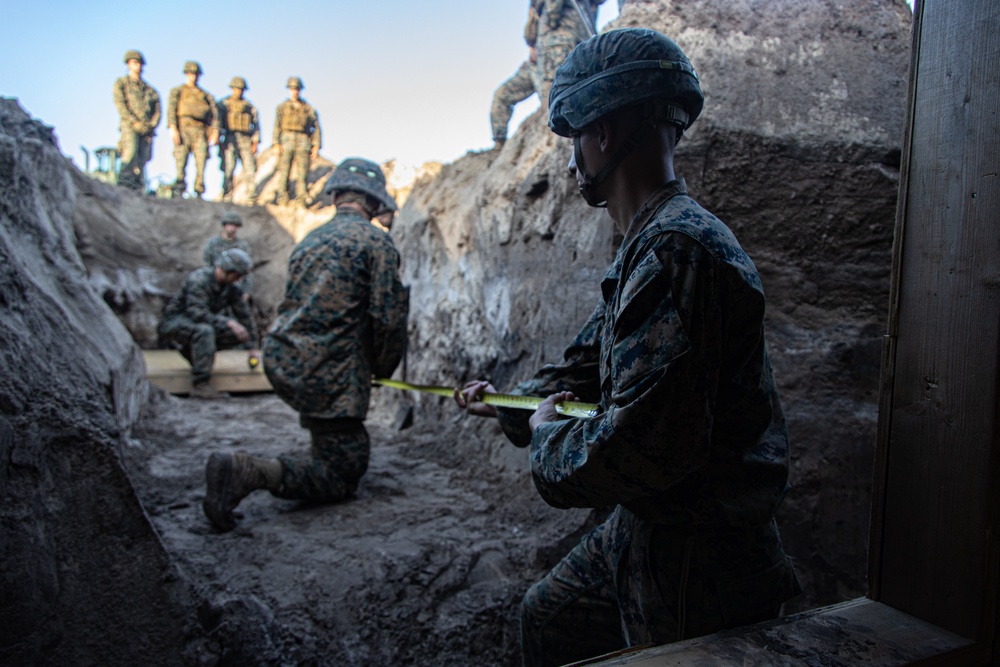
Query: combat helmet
295 82
239 82
191 67
619 68
234 259
231 218
132 54
359 175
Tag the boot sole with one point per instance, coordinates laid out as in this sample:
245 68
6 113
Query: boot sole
218 474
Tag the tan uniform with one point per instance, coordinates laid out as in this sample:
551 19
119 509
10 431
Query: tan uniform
297 131
192 110
138 105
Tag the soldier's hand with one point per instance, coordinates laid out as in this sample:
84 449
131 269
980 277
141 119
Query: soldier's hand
277 149
314 153
139 126
176 136
546 412
240 331
533 54
467 398
253 147
213 137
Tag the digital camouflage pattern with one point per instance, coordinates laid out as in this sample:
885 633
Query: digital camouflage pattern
511 92
341 322
239 123
338 459
138 106
215 247
192 110
690 447
195 319
297 131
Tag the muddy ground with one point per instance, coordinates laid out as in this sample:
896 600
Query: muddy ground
426 565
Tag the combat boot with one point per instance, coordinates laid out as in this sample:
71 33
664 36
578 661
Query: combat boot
206 391
229 478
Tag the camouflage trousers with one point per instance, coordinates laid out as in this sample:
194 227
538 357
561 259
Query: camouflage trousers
339 458
135 151
199 341
295 149
238 147
552 52
514 90
194 140
630 583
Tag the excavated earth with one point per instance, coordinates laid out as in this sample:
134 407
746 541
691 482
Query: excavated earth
105 554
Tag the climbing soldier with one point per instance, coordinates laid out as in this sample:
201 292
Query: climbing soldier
193 119
240 127
297 138
138 104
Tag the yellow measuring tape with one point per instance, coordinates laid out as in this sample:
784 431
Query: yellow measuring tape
568 408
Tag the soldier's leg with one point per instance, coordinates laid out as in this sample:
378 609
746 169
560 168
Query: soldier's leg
145 154
572 613
181 153
199 139
129 146
249 162
512 91
340 450
284 166
301 169
229 155
202 350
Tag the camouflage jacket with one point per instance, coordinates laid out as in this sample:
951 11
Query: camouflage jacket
202 106
560 20
691 430
137 102
204 301
341 322
293 116
238 116
214 247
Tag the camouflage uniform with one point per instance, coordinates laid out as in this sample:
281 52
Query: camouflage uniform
690 448
560 28
297 131
195 318
193 111
342 321
215 247
138 104
240 126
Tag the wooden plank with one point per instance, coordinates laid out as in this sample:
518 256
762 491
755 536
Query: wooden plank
940 443
858 632
171 372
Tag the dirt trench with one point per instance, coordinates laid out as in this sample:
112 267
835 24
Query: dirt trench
425 565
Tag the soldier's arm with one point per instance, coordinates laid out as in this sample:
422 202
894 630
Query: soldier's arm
531 28
175 94
154 119
276 140
120 103
241 309
214 108
317 136
255 120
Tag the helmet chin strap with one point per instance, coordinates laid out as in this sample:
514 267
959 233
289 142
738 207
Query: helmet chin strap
588 186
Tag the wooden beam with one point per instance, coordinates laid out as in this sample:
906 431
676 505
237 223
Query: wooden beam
171 372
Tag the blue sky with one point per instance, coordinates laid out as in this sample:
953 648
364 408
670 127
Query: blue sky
397 79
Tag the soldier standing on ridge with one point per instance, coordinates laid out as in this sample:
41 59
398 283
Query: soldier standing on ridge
209 314
193 120
342 322
297 139
240 126
689 445
138 104
227 240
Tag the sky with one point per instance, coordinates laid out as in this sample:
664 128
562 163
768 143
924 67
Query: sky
390 79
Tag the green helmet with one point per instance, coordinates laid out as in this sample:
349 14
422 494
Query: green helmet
234 259
295 82
619 68
134 55
231 218
191 67
239 82
359 175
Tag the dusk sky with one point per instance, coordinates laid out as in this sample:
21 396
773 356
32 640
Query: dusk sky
389 78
